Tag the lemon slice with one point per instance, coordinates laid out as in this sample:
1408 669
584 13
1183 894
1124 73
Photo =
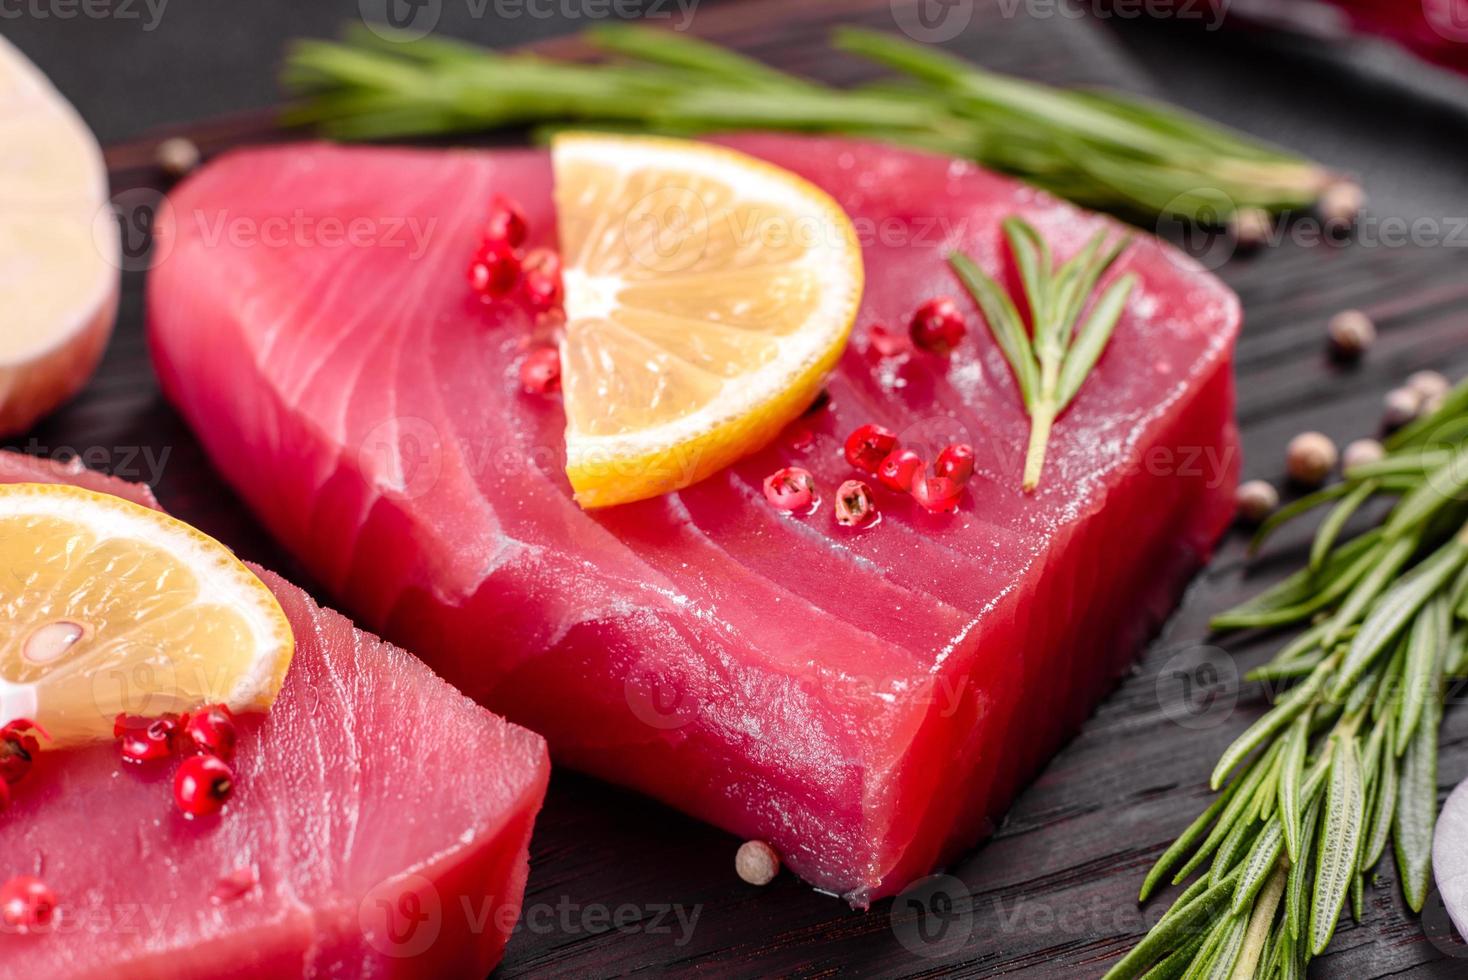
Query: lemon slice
108 607
707 296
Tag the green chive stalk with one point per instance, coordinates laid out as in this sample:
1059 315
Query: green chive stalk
1102 149
1345 761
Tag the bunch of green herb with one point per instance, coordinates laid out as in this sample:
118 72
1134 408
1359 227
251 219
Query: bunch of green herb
1053 360
1102 149
1346 759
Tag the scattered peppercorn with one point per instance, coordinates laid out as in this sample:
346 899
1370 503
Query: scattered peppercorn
506 224
1256 500
540 277
540 372
212 731
868 445
1428 385
202 785
790 489
937 325
1250 227
899 469
142 740
1310 458
937 494
177 156
18 749
1351 334
494 271
1361 452
854 504
26 904
757 862
1340 203
955 462
1399 407
888 343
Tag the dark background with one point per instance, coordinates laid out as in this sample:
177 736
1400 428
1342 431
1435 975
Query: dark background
1053 894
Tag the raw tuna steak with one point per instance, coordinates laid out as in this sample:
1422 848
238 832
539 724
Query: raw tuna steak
866 700
379 827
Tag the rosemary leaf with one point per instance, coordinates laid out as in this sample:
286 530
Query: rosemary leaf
1051 362
1331 527
1426 644
1287 964
1299 878
1383 807
1258 866
1291 769
1416 810
1171 929
1303 594
1335 863
1445 483
1185 842
1237 809
1261 920
1093 336
1294 509
1234 849
1284 711
1385 562
1177 963
1457 657
1004 322
1230 946
1397 608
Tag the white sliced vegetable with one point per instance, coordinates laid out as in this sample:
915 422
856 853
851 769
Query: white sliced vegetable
59 256
1450 857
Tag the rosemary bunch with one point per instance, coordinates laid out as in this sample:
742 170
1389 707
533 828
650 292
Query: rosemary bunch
1346 759
1053 359
1103 149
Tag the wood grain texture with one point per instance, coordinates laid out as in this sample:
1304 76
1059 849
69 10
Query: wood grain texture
1053 893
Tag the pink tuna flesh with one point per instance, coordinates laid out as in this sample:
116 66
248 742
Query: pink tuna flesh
379 827
866 700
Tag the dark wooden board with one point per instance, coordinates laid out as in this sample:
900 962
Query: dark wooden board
1053 893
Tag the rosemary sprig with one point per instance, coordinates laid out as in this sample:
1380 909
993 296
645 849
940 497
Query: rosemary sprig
1103 149
1053 359
1346 759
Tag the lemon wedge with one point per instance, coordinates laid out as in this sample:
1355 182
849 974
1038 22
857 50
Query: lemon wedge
108 607
707 295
